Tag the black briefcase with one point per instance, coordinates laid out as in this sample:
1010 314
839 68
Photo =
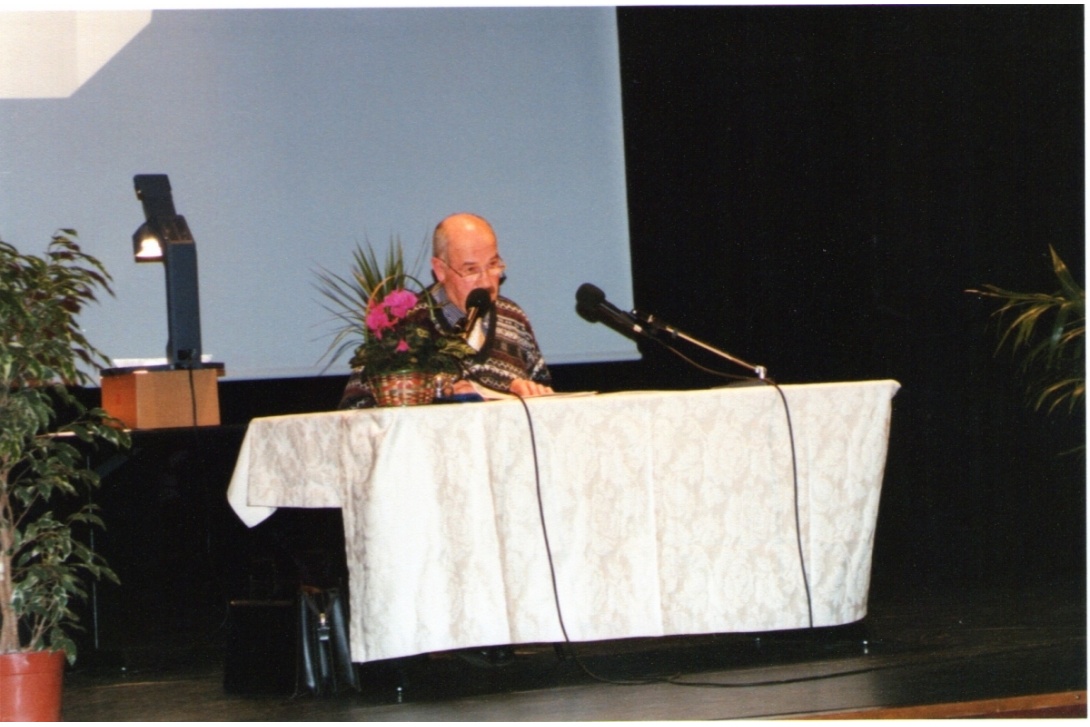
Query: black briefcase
324 657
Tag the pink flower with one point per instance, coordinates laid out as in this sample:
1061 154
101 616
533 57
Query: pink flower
389 311
402 346
377 321
399 302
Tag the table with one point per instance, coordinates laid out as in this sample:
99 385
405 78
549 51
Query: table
666 512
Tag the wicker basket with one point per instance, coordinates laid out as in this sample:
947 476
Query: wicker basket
406 388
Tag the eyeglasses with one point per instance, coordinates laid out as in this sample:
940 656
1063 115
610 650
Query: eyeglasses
497 268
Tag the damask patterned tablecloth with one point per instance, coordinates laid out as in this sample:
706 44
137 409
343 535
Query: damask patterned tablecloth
665 512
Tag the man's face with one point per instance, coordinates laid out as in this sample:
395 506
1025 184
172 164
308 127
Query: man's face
473 257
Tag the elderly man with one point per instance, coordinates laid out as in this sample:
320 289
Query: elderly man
466 257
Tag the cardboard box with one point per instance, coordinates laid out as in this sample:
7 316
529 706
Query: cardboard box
163 399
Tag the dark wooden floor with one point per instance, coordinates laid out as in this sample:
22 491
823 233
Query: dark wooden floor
952 654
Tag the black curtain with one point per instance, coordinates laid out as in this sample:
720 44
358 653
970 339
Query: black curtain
814 188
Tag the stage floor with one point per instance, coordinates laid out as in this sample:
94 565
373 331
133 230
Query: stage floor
925 655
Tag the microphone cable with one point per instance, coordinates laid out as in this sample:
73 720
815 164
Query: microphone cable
794 461
701 367
552 569
552 566
541 517
798 516
193 396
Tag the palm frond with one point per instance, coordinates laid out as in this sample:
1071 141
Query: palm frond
1049 331
346 296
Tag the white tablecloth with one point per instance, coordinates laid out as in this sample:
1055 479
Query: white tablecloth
666 512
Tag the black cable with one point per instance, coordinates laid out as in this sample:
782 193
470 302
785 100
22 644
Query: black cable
193 396
700 367
552 566
798 517
794 462
548 549
541 516
676 680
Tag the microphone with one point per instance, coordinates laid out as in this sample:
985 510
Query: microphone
477 304
591 304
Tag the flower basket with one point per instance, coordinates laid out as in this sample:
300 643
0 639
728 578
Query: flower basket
401 353
403 388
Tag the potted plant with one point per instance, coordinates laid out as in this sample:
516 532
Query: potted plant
43 557
389 320
1049 329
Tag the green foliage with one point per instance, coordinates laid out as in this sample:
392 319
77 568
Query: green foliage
1049 330
347 298
43 561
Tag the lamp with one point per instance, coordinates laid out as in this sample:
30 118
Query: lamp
165 237
183 392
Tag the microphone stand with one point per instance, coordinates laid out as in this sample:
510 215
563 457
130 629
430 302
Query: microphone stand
649 320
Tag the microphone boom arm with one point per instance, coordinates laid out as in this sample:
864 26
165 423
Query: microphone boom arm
760 371
592 305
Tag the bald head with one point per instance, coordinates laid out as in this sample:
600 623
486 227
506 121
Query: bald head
465 256
458 226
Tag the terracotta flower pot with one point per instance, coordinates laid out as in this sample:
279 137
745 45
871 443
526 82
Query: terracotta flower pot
30 686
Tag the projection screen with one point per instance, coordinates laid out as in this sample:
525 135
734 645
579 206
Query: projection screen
291 136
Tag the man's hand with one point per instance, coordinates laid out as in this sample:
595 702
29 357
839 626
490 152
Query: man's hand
464 386
525 387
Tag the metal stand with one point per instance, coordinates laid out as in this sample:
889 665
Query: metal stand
656 325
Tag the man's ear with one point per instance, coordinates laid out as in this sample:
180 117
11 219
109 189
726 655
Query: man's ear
438 270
